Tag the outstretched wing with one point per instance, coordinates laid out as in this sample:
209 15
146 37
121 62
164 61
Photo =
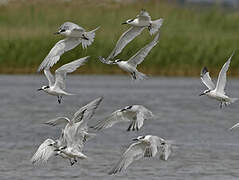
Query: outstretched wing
206 79
142 53
222 78
133 153
59 48
124 39
67 68
58 120
44 152
87 111
49 76
116 117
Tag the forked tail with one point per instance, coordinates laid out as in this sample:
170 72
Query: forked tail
88 38
155 26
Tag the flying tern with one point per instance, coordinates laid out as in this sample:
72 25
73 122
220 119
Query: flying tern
56 85
135 115
131 65
217 92
74 36
75 133
138 24
146 146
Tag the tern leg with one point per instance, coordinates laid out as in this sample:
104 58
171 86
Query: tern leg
221 105
59 98
72 163
75 160
133 75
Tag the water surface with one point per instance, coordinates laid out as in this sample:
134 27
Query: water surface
204 149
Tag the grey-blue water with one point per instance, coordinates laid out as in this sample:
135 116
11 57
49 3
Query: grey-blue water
204 149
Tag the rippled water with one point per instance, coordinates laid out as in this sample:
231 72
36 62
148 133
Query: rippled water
204 148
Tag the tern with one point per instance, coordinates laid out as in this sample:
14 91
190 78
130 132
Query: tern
131 65
142 21
135 115
74 36
146 146
217 92
56 86
75 132
48 149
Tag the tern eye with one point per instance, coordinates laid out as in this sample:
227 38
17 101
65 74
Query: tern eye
62 30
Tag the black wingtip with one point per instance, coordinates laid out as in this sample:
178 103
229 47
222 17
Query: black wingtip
204 70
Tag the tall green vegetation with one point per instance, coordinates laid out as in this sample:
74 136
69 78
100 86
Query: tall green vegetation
190 38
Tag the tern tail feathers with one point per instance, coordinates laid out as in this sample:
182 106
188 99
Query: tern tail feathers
155 26
89 38
138 76
232 100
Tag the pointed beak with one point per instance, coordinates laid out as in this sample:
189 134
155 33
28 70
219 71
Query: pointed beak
201 94
39 89
55 33
124 23
135 139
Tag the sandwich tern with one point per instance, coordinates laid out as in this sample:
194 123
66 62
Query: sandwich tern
47 149
143 20
75 133
57 87
135 114
74 36
131 65
146 146
217 92
138 25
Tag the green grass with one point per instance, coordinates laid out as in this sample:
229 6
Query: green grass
191 37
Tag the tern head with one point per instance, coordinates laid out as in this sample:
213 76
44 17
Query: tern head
129 21
63 30
43 88
139 138
117 61
205 92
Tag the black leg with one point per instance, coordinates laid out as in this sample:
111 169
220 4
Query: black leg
133 75
59 99
221 105
72 163
75 160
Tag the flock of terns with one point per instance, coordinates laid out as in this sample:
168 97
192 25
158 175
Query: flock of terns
75 133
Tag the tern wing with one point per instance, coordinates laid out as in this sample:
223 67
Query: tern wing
58 120
59 48
87 111
124 39
49 76
67 68
115 117
206 79
234 126
144 15
222 78
134 152
142 53
44 152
